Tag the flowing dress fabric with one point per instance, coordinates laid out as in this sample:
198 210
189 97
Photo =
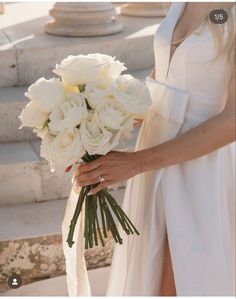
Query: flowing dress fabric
194 202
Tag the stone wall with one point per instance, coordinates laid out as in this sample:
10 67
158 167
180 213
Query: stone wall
40 258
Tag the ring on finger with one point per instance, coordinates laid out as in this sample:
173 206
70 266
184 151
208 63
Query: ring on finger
101 179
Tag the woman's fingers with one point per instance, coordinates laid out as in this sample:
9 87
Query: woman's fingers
99 187
138 122
113 167
68 169
85 167
90 177
89 180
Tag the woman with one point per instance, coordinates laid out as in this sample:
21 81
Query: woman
181 175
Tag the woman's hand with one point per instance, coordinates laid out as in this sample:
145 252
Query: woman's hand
113 167
138 122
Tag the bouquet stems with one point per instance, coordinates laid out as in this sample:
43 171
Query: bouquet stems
108 207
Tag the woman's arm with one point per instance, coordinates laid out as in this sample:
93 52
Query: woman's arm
201 140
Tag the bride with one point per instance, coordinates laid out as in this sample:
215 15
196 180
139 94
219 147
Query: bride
180 189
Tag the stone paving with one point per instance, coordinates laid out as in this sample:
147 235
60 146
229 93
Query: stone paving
57 286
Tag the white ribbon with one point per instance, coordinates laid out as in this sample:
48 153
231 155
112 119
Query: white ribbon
77 275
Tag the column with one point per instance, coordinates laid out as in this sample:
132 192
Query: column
145 9
83 19
2 8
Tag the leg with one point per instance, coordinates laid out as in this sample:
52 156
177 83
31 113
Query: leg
168 282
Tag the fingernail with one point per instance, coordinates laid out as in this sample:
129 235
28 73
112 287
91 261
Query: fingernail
90 193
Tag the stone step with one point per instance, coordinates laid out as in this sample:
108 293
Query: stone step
57 286
26 177
36 220
27 53
31 245
12 101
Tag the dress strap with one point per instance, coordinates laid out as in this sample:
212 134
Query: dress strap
167 29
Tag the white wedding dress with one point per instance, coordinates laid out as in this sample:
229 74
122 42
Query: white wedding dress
193 201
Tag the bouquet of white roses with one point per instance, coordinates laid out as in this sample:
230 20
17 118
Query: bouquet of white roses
83 114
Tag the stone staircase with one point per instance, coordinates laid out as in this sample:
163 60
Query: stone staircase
32 199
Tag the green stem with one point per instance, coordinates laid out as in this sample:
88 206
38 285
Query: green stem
86 221
119 216
123 213
75 218
111 222
89 199
102 215
107 205
94 199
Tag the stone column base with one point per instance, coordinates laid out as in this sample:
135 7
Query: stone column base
83 19
142 9
83 30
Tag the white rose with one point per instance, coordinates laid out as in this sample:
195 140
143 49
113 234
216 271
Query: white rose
32 117
46 94
68 114
95 137
62 150
113 67
45 147
97 92
83 69
113 116
41 132
131 93
69 88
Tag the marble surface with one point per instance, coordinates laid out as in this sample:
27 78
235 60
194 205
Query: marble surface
35 54
25 177
19 179
28 220
57 286
12 101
